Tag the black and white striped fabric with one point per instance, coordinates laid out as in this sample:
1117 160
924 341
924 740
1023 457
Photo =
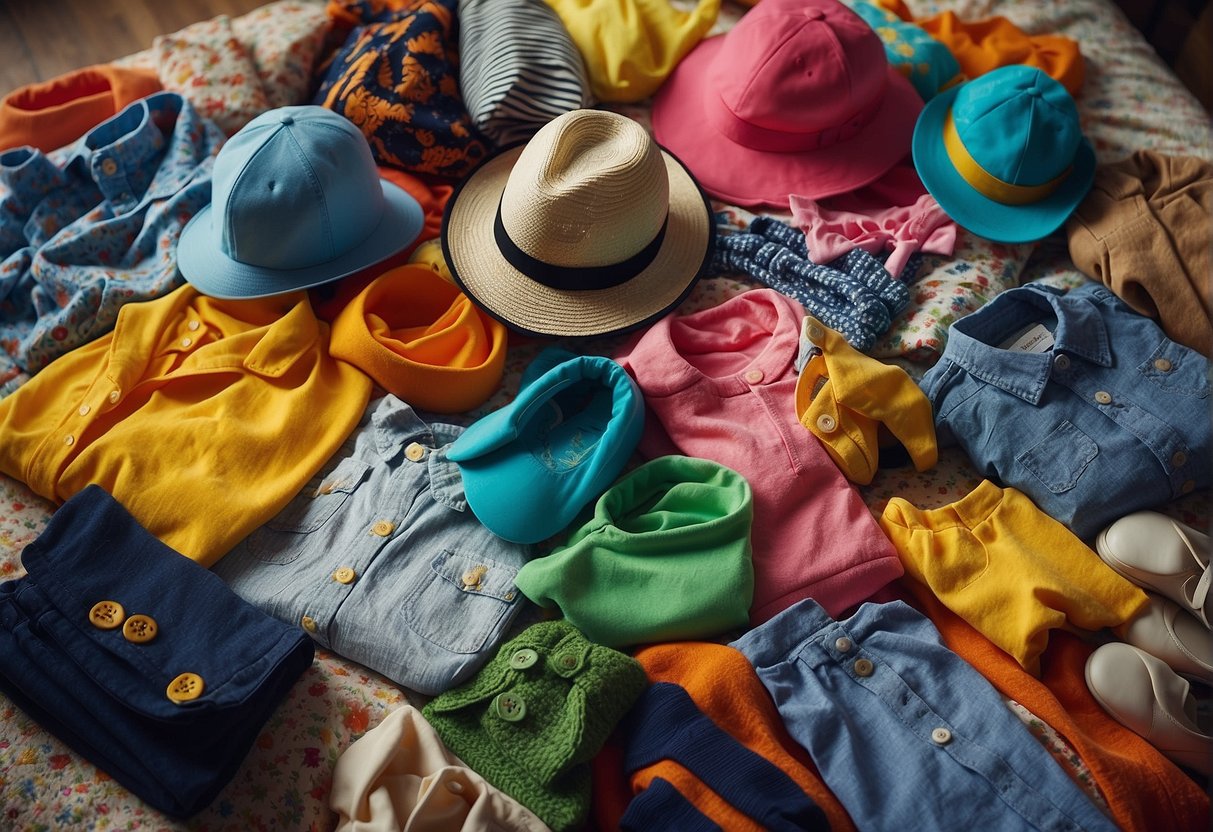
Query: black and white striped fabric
519 67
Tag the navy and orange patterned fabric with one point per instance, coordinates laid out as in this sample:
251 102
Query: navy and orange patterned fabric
395 77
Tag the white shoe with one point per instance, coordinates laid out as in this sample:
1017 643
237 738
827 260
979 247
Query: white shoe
1149 698
1162 555
1166 632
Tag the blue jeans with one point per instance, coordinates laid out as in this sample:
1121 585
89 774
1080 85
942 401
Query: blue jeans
906 733
123 703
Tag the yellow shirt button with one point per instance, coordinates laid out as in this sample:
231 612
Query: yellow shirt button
414 452
139 629
1103 397
308 623
345 575
114 396
106 615
186 687
109 167
69 439
1162 365
826 423
863 667
383 528
84 410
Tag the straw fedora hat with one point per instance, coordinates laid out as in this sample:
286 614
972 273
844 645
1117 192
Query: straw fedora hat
588 229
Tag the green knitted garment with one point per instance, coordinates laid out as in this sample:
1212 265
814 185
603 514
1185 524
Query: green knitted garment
664 557
533 717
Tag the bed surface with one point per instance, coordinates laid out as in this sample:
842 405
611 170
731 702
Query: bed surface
1130 100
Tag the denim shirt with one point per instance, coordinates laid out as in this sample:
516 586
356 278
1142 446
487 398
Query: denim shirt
94 225
1094 414
380 559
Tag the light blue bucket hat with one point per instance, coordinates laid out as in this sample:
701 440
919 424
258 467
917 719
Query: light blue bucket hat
1004 154
296 202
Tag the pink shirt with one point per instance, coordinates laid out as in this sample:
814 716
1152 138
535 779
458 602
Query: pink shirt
720 384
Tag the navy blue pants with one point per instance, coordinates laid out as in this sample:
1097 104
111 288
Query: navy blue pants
138 658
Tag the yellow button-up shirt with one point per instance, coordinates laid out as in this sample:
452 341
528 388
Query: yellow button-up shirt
203 417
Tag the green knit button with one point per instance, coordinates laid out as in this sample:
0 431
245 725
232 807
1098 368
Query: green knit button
509 706
524 658
567 663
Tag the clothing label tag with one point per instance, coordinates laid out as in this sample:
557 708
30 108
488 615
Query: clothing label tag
1036 338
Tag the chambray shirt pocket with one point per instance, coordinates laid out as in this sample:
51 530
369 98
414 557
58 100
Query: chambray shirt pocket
283 538
1177 370
1060 458
462 600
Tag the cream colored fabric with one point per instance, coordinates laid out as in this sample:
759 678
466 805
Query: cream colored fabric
399 777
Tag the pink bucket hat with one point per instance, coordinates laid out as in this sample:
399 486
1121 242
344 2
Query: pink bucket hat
797 98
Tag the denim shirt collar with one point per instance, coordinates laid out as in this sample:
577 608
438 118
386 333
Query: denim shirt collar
396 424
123 154
1080 333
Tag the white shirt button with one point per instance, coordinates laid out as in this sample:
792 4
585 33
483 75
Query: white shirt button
185 342
69 439
1061 362
414 452
826 423
1103 397
114 396
193 326
754 376
1162 365
842 645
84 410
941 736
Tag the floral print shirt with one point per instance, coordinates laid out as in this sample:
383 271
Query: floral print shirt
92 226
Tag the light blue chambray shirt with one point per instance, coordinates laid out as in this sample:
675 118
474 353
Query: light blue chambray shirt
380 559
906 733
94 225
1076 400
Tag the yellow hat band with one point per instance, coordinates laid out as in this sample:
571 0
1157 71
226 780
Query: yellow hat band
984 182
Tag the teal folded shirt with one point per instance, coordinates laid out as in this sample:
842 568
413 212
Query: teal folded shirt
665 556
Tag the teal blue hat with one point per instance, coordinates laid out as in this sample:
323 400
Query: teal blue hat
529 467
1004 154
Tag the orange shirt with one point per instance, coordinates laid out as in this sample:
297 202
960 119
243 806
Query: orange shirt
55 113
203 417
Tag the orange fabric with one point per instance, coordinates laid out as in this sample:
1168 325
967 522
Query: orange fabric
724 686
897 7
431 194
422 339
1144 790
55 113
983 45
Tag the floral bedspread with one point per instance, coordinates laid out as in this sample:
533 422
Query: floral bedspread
1130 100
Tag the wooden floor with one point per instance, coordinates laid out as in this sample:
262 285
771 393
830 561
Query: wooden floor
40 39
